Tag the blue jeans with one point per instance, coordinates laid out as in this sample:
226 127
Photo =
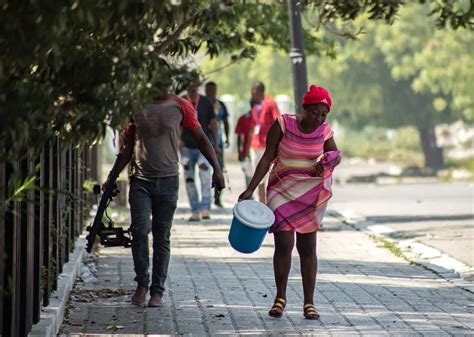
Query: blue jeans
220 157
157 197
189 158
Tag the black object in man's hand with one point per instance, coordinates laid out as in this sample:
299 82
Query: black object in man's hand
110 236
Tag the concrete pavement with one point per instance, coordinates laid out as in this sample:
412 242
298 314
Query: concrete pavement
362 289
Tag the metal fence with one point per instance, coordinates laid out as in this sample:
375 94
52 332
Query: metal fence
38 228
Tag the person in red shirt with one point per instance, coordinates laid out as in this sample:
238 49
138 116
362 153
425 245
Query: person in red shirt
244 130
264 114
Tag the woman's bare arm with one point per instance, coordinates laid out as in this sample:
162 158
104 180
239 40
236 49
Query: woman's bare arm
273 139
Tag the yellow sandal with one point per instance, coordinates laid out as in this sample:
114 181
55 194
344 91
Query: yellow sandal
277 308
310 312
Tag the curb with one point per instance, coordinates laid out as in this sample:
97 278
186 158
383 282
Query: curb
415 252
52 316
406 180
390 180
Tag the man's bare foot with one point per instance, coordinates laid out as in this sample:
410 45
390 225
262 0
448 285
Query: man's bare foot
155 300
138 297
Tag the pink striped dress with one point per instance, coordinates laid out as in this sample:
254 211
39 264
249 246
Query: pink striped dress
295 194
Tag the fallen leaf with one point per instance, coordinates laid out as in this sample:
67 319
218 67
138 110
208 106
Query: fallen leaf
115 327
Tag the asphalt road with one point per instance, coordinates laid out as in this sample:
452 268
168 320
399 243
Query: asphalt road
440 215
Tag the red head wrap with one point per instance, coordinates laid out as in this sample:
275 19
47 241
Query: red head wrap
317 95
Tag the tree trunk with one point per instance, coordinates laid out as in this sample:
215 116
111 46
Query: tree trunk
433 153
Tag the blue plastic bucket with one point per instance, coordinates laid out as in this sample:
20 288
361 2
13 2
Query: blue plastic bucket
250 224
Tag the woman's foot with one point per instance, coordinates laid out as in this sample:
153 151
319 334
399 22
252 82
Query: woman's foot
310 312
277 308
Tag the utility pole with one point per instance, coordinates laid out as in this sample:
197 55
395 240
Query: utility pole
297 57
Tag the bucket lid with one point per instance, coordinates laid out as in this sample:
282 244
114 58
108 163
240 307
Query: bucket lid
254 214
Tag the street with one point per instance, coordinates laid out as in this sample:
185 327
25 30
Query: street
438 214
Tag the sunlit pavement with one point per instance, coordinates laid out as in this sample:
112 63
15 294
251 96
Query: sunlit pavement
362 289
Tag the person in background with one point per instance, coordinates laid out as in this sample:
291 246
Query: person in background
244 131
192 156
150 142
304 154
264 113
222 116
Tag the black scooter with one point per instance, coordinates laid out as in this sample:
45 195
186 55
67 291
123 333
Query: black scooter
109 235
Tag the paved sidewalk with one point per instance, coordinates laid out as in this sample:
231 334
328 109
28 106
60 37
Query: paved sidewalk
362 289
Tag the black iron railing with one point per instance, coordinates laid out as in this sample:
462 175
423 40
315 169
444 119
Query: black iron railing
39 226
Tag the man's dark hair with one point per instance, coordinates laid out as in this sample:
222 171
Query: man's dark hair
211 84
259 86
161 75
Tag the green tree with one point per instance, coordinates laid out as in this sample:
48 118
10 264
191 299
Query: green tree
271 66
409 73
69 69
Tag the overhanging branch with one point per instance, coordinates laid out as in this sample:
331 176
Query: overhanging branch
171 38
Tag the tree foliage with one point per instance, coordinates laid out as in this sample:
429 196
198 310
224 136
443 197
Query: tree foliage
409 73
435 61
70 68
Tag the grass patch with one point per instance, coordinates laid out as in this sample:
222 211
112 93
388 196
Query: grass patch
466 164
390 246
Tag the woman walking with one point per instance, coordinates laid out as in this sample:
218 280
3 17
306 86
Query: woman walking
304 154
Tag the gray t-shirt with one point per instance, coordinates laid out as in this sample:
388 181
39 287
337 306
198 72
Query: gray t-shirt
157 135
